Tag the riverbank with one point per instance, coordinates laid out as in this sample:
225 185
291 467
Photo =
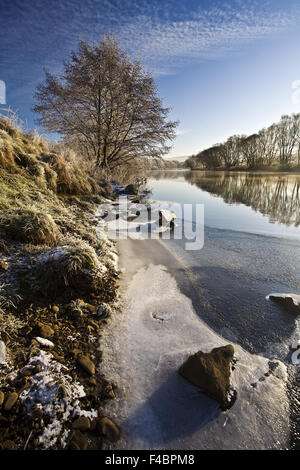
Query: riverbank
55 303
58 288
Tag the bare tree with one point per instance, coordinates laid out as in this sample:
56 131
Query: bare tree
287 137
230 152
106 104
250 150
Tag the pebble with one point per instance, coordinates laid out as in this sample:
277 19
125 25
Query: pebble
82 423
45 331
55 309
1 397
3 265
109 392
10 401
109 429
86 364
78 441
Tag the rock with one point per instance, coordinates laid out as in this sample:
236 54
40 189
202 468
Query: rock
92 381
131 189
109 393
78 441
8 445
289 301
10 401
211 372
86 306
75 352
86 364
82 423
55 309
3 265
109 429
1 397
44 342
102 312
38 412
26 372
2 353
45 331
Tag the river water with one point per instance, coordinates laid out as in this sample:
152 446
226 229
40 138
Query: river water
180 301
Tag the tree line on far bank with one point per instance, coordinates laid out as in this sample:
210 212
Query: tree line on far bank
277 147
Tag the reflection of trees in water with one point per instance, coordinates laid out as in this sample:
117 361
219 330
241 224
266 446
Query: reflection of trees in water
168 174
277 196
272 195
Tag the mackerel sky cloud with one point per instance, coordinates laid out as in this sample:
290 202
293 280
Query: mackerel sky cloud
196 49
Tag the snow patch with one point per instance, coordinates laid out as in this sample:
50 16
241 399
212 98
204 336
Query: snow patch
44 342
54 390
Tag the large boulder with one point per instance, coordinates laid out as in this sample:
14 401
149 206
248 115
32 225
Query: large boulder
132 189
290 302
211 372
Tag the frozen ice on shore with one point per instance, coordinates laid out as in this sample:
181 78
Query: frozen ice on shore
158 409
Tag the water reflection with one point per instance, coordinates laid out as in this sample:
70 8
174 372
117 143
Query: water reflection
272 194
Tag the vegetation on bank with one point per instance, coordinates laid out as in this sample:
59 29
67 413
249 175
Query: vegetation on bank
274 148
57 291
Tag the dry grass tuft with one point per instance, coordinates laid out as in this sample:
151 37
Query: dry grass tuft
6 155
34 227
73 267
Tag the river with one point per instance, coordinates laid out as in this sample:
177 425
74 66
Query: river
180 301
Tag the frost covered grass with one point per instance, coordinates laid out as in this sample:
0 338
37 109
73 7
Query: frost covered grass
62 171
34 227
74 266
50 254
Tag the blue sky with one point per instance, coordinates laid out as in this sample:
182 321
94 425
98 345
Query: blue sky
224 67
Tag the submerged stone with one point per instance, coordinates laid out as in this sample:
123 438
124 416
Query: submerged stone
211 372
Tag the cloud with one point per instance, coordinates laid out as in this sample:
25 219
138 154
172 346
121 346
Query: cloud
203 33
